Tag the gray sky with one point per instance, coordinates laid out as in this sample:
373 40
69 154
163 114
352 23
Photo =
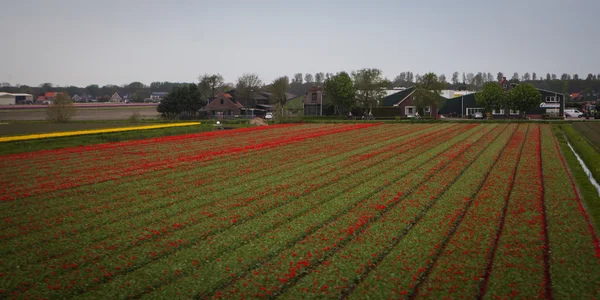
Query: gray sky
81 42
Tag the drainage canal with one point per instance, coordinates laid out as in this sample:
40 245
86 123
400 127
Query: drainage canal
586 170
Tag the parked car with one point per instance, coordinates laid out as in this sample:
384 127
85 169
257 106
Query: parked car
478 115
573 113
269 116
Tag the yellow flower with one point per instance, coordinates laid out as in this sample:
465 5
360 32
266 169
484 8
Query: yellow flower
95 131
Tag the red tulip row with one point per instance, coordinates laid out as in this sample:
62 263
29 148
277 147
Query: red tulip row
461 266
518 267
184 209
355 268
204 241
70 161
307 211
320 233
130 168
185 220
64 210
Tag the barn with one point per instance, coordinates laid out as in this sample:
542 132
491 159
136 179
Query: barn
12 99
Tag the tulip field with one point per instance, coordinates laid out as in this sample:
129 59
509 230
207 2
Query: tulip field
308 211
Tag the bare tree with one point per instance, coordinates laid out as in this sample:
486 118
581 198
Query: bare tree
211 84
61 110
298 78
319 77
455 78
308 78
246 86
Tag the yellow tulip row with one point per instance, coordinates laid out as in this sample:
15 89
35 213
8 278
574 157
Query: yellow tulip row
94 131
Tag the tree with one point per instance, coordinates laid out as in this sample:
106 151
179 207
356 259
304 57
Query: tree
491 97
340 91
575 76
400 79
211 84
523 97
410 77
490 77
297 78
455 78
464 78
554 76
478 79
246 86
61 110
590 76
182 102
515 76
428 92
500 76
369 85
93 90
526 77
470 78
308 78
442 78
319 77
548 77
534 76
279 89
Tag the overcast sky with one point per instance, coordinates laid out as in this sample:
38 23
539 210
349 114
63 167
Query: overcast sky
81 42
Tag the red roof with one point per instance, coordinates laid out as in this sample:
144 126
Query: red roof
41 98
227 95
50 94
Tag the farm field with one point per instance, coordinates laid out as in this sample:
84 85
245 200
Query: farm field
591 131
351 211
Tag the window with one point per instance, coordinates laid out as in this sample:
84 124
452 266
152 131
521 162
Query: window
498 112
514 112
551 99
428 109
409 110
314 98
221 101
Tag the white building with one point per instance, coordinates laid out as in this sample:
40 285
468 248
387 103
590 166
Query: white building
12 99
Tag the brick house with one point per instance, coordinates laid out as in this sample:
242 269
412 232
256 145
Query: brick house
224 105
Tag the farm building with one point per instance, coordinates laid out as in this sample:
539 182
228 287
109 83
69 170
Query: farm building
402 104
313 102
552 103
12 99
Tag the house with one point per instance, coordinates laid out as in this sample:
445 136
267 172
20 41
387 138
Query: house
157 96
313 101
76 98
115 98
49 96
552 103
224 105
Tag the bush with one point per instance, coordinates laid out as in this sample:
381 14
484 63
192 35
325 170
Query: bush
61 110
135 117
